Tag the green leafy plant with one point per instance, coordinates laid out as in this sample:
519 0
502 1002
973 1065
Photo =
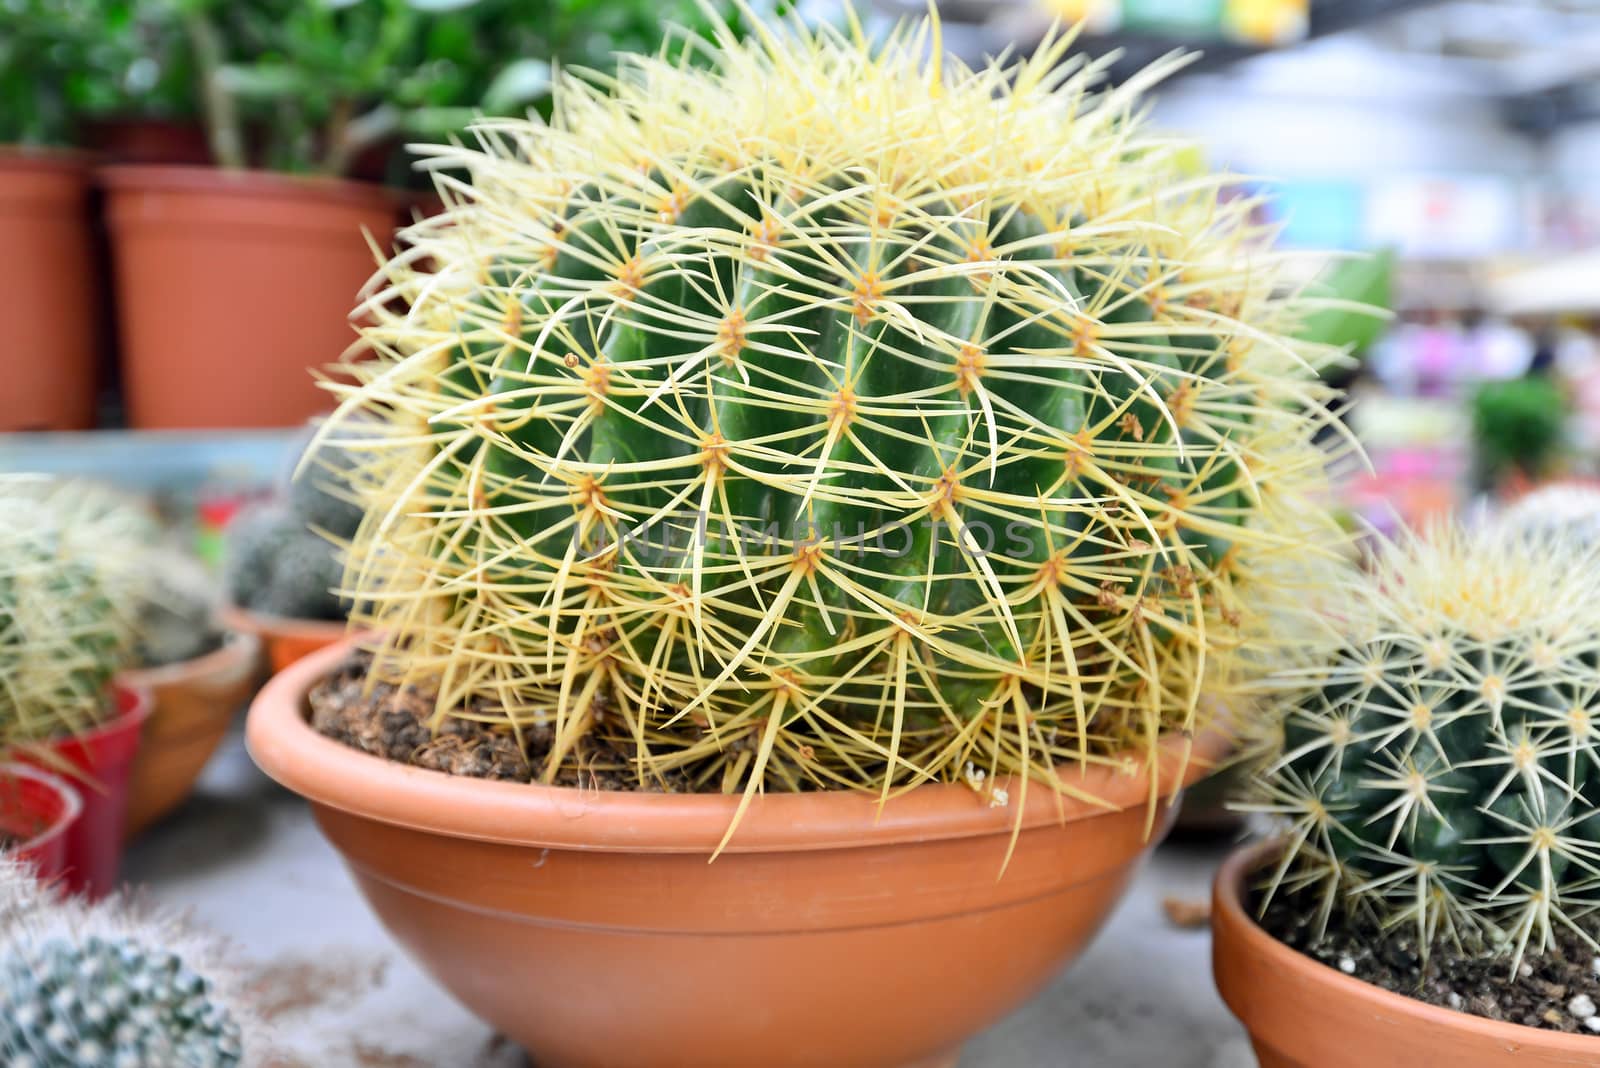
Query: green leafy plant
62 61
832 416
41 50
70 590
317 83
1518 428
1438 766
1353 297
103 987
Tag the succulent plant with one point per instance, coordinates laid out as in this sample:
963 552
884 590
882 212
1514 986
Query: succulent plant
318 492
282 556
1439 763
97 987
69 596
832 415
1573 506
276 564
1518 429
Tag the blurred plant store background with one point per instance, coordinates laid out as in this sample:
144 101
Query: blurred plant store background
194 195
191 194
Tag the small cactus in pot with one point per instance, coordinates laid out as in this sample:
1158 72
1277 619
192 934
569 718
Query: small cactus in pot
104 987
831 415
282 554
1438 768
70 591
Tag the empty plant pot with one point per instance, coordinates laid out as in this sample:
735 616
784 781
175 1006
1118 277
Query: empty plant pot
193 703
232 285
99 763
1303 1014
590 927
49 302
284 640
37 811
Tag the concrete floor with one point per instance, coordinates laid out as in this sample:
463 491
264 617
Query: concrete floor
245 861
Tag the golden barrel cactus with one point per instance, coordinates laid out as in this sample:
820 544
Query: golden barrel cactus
820 413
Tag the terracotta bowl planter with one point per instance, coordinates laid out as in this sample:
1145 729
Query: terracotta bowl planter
37 810
284 640
1303 1014
48 299
194 701
590 927
99 763
230 285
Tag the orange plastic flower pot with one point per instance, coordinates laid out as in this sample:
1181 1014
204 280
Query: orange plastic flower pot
231 286
285 640
594 929
1303 1014
49 301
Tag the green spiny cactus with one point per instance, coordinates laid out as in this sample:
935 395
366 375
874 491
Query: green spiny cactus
92 987
282 557
320 494
69 596
276 564
1440 766
831 415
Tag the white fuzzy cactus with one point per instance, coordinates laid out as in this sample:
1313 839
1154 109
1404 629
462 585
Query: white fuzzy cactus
103 987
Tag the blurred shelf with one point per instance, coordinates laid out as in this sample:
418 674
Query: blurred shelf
153 460
1553 286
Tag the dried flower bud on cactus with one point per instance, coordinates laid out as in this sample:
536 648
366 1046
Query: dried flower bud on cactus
1441 765
830 415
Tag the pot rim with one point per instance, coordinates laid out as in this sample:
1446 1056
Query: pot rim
249 621
71 803
1232 922
247 183
141 702
48 158
328 772
239 648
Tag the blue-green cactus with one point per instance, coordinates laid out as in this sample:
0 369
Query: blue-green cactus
106 1003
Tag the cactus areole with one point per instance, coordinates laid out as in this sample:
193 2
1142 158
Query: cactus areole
823 413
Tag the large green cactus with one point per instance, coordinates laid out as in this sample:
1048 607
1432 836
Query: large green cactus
95 987
832 415
1440 766
69 601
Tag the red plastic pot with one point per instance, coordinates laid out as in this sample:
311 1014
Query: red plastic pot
39 809
101 761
